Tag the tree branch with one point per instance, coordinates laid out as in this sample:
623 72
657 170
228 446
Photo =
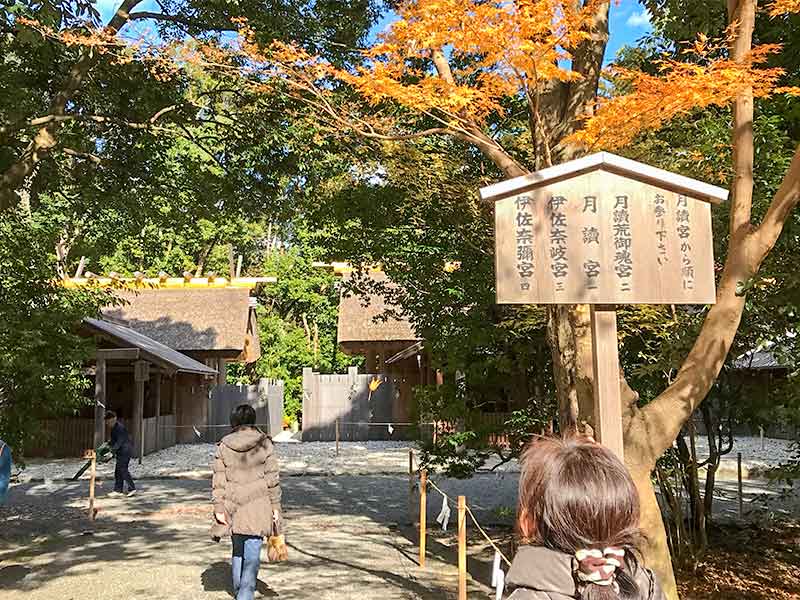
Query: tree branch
155 16
93 158
662 419
45 139
442 66
785 200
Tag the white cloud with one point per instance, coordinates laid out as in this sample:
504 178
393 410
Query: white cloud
639 19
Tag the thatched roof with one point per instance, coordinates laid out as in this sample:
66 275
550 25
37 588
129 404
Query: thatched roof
359 323
188 319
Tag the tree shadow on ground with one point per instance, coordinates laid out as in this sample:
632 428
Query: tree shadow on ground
217 578
170 518
398 581
11 575
479 566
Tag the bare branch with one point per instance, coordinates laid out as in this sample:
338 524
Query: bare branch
155 16
93 158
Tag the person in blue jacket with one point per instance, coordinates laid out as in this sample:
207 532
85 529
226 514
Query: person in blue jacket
5 470
122 447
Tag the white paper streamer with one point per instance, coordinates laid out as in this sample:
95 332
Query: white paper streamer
498 577
391 429
444 515
501 585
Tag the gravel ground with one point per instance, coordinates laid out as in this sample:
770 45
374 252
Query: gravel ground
773 451
193 461
359 458
344 544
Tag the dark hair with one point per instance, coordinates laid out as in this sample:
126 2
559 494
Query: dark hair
110 414
244 414
575 494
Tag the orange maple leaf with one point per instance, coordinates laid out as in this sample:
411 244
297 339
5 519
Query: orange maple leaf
678 88
783 7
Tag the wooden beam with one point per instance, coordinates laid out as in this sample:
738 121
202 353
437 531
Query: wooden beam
138 412
607 397
100 401
119 353
155 384
231 263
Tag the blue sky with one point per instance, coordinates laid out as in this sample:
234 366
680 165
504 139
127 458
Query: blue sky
629 21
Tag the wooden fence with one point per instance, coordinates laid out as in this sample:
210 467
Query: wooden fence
72 436
69 436
166 433
266 398
362 414
481 421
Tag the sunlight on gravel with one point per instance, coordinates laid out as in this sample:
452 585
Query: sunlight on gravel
355 458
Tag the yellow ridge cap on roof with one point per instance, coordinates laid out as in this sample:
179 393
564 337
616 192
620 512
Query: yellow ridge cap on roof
169 282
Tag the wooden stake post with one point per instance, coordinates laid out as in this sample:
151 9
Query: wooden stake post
91 455
604 231
411 486
423 515
462 548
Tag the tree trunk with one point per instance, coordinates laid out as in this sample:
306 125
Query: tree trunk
656 548
570 339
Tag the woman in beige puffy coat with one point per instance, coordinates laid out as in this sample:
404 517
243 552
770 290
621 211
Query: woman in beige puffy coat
246 495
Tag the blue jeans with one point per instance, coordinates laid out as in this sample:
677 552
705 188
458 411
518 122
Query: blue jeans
245 564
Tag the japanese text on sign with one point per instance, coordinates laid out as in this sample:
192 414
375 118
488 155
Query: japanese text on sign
608 241
524 241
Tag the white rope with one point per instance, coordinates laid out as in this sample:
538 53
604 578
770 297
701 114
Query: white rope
474 520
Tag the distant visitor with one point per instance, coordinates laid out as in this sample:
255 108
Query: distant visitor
5 470
122 447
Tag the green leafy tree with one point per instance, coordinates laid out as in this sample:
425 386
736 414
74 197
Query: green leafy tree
42 355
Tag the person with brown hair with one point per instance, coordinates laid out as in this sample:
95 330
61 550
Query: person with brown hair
578 524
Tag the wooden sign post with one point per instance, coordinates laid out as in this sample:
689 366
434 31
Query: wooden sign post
604 230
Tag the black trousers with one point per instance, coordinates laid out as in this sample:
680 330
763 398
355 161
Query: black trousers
122 475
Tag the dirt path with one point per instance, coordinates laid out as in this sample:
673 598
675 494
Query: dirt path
344 544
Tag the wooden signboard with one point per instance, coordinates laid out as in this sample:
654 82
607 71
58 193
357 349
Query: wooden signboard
604 230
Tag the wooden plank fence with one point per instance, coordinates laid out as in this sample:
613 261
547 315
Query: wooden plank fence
72 436
69 436
480 421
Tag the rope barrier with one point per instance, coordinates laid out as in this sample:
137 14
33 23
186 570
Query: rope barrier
485 535
382 424
474 520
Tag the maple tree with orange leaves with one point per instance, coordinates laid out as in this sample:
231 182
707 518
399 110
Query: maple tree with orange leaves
458 63
679 88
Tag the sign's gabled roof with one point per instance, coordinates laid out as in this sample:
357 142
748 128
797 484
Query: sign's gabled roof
612 163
